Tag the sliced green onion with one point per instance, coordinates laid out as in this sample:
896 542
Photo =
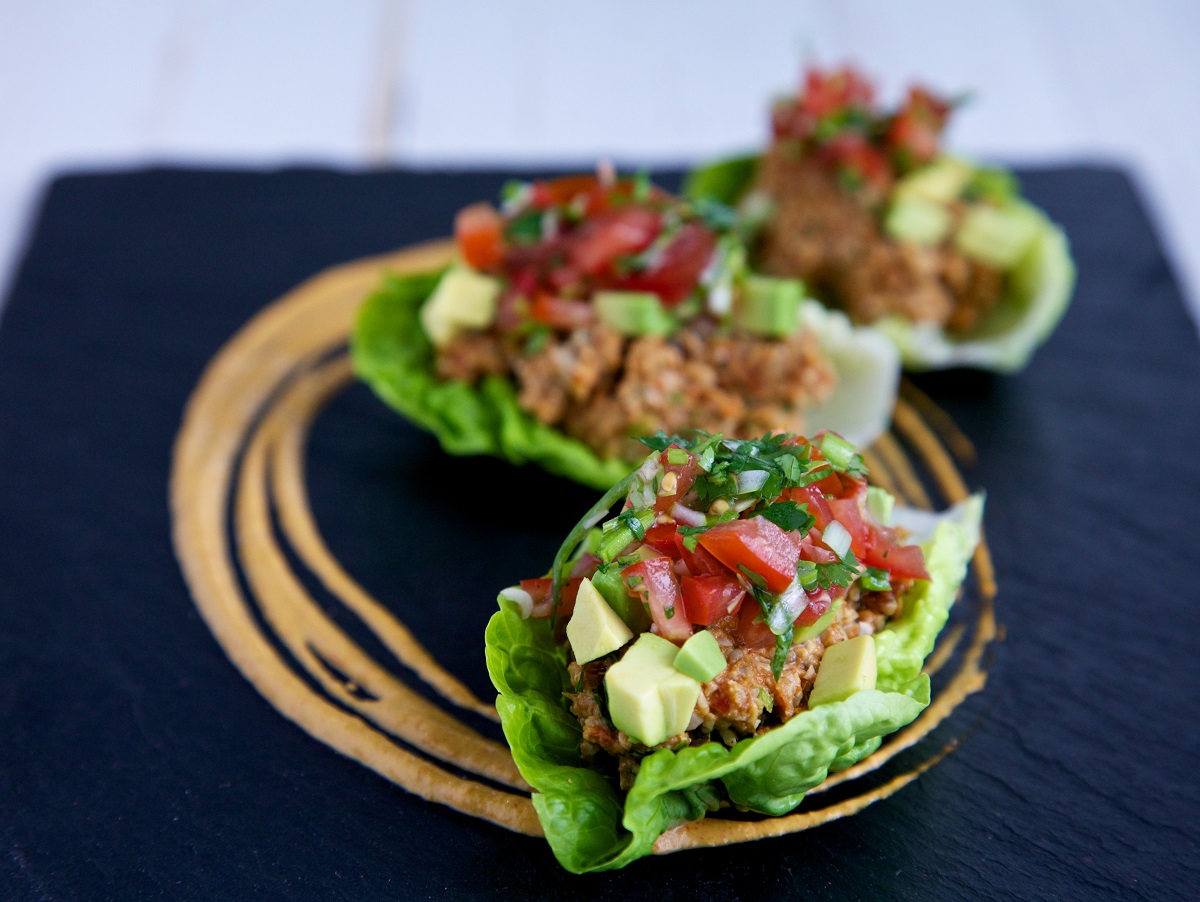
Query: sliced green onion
578 533
837 538
839 452
677 457
806 572
876 580
623 530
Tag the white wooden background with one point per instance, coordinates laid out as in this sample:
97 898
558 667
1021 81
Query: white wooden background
421 82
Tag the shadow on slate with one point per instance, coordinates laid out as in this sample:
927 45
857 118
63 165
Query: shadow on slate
136 762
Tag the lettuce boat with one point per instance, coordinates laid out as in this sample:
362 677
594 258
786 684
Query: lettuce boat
589 269
677 738
836 162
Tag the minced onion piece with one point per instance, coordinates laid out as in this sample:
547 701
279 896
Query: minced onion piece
549 225
522 598
642 493
788 606
744 504
720 298
837 537
687 516
751 480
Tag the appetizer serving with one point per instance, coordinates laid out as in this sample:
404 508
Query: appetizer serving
588 310
861 202
755 617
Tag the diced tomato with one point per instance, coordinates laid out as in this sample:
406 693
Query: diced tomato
479 231
901 561
709 598
819 601
661 537
915 130
614 233
858 161
831 92
847 512
684 478
699 562
539 591
562 313
916 142
818 507
678 269
565 190
754 633
758 545
658 587
818 554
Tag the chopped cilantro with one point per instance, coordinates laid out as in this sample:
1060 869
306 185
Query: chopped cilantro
537 338
789 516
525 228
677 457
631 519
782 644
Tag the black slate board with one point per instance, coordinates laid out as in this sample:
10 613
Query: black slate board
135 762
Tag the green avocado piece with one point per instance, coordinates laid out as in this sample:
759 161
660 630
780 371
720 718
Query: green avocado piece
998 236
594 629
942 181
769 307
633 313
822 623
846 668
700 657
607 581
648 699
918 220
464 299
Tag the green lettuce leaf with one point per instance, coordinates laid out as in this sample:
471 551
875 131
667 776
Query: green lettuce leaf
588 824
392 354
1038 291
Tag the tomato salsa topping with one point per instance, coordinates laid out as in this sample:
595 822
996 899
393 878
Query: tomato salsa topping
556 243
769 532
836 117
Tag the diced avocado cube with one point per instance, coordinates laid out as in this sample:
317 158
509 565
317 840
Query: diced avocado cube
634 313
918 220
998 236
804 633
846 668
648 699
608 582
880 502
700 657
594 629
769 307
463 300
942 181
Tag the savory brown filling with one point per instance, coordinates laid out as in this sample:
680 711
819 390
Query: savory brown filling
744 699
603 388
832 239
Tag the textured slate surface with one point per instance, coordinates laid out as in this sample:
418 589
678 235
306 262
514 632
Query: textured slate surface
135 761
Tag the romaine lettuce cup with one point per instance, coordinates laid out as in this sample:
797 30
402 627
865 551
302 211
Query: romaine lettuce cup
592 823
1037 287
402 334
